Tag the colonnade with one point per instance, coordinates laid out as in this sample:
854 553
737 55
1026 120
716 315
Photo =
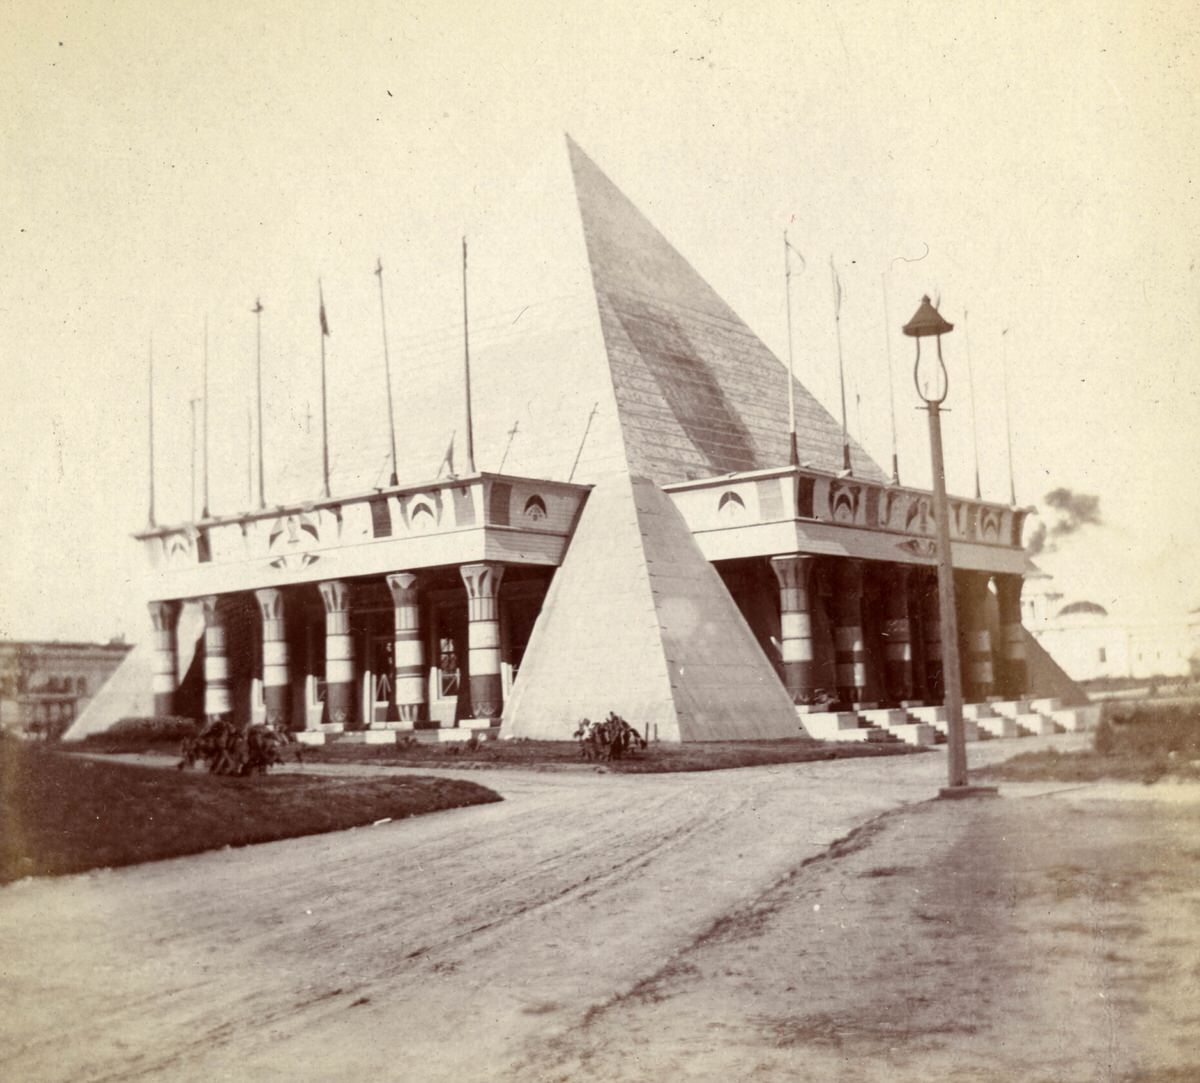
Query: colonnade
482 582
907 657
850 630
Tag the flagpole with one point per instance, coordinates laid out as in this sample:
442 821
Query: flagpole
257 310
974 415
249 457
467 366
887 340
192 507
837 319
387 371
324 408
793 452
1012 485
511 436
151 418
586 429
204 509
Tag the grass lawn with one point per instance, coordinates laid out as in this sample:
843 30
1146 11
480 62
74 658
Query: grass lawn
1138 744
655 759
62 814
548 755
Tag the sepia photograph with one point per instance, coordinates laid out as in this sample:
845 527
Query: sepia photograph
600 542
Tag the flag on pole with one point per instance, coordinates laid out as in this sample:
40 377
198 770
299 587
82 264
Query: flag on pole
324 321
789 247
837 289
448 459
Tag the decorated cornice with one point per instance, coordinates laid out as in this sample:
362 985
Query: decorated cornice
445 522
841 513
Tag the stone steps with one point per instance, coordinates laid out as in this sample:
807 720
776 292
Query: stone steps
839 726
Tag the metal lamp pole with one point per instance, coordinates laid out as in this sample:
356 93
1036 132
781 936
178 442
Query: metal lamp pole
926 322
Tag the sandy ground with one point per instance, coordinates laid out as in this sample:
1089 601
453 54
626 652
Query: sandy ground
703 926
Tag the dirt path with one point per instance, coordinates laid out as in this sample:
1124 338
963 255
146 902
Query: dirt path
1051 939
468 945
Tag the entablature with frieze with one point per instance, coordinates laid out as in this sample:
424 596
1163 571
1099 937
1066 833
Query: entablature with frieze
767 512
446 522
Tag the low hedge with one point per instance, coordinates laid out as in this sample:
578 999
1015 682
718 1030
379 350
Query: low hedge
139 732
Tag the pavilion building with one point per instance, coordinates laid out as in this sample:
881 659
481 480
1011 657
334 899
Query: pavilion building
649 551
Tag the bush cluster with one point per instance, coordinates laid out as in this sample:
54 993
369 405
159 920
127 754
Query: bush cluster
159 729
1151 730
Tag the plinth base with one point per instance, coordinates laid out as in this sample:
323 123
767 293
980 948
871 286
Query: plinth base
952 793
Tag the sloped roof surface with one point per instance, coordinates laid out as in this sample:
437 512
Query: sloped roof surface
698 393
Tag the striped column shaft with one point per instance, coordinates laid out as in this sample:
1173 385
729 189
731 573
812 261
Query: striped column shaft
409 651
795 624
1015 673
164 617
276 676
916 624
339 652
897 635
483 637
217 701
972 590
931 620
849 647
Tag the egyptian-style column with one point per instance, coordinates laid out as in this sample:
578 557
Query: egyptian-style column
276 677
795 624
339 652
850 653
972 591
408 653
931 623
897 634
1014 671
164 616
217 702
483 614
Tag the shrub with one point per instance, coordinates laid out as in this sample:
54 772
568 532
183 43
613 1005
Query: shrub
155 729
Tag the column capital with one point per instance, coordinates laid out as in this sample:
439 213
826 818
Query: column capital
793 569
213 610
163 615
482 580
1008 593
270 603
848 574
404 587
335 593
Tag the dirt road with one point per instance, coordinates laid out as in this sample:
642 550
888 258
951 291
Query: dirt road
468 945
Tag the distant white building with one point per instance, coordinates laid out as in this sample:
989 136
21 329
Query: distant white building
1091 644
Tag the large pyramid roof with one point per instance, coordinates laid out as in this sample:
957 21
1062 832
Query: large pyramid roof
697 392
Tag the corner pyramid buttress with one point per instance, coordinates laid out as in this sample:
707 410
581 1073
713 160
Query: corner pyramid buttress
638 622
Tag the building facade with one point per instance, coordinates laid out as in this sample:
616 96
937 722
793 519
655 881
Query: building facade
44 685
680 572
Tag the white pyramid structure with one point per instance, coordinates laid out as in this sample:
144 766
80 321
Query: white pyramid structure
638 622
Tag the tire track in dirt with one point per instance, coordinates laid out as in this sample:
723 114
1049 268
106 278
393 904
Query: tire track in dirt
341 953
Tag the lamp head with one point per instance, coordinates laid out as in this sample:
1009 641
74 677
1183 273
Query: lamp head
926 321
932 384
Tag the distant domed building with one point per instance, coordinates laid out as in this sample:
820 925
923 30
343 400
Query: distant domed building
1090 644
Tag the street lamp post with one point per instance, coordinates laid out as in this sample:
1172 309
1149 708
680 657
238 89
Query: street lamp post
933 384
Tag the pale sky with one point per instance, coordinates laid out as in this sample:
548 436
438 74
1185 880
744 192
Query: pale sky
168 162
